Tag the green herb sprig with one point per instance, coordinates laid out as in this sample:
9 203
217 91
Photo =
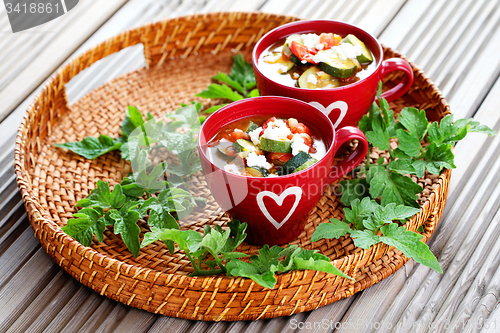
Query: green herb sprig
238 84
214 253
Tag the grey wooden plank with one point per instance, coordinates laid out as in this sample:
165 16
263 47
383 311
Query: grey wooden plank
54 54
466 294
23 288
84 301
97 317
21 247
176 325
46 305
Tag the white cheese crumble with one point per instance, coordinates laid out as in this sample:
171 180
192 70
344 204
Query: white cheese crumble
320 46
272 58
283 69
272 175
277 130
312 79
254 160
254 135
298 145
237 130
348 51
310 40
232 168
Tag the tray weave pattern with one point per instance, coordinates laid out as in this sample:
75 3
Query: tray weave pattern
182 55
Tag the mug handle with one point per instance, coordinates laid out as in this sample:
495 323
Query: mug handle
396 64
342 136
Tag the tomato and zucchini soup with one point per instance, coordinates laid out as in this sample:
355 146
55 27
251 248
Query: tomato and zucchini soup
313 61
265 146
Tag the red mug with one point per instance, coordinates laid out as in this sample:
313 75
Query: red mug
345 105
276 208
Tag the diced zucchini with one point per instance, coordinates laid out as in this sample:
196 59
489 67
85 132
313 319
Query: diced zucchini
252 127
366 56
243 145
295 162
257 171
275 146
339 68
222 154
288 64
306 165
323 80
293 38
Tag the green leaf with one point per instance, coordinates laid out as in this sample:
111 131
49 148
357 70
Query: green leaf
359 211
253 93
415 122
436 158
408 143
334 229
88 221
240 268
379 136
214 108
237 235
315 261
215 241
364 238
365 124
91 147
409 243
215 91
230 82
133 119
353 189
187 240
187 115
403 166
102 197
476 127
394 188
242 72
126 226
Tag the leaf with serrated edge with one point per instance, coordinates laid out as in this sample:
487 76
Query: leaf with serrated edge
409 243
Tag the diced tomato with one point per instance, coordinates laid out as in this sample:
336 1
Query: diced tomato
329 40
279 158
239 135
302 52
266 123
289 136
230 151
300 128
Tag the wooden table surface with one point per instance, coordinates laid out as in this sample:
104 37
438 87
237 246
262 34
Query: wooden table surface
456 42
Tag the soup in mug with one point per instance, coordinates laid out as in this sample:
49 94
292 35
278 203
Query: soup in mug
313 61
265 146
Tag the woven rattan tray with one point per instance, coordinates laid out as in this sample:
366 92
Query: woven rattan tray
182 55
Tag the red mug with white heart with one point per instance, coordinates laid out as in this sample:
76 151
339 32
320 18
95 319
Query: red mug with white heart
276 208
345 105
